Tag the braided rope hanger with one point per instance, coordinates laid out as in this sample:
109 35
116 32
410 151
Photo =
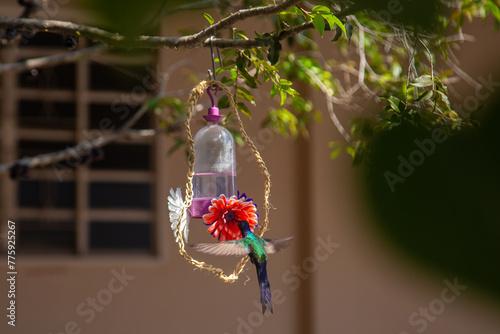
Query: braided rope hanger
195 94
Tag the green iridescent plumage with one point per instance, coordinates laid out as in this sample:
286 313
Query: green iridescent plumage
257 247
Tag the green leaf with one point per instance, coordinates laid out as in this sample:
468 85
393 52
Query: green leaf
237 136
152 103
329 19
285 82
249 80
444 98
240 33
274 52
394 103
321 9
229 53
335 153
265 36
228 64
332 20
289 90
282 121
274 90
241 63
223 102
493 8
425 96
227 117
422 81
228 81
243 93
319 24
234 73
293 10
258 53
336 147
209 18
283 97
439 85
243 109
351 151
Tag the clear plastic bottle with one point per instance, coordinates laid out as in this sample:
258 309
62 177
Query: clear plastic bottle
214 167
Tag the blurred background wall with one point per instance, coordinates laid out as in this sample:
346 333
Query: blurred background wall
338 276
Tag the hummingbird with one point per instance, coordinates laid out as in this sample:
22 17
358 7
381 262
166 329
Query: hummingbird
257 248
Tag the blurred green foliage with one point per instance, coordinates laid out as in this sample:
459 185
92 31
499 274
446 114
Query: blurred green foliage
435 195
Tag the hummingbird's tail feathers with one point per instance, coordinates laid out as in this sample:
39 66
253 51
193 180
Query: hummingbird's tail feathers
265 289
265 297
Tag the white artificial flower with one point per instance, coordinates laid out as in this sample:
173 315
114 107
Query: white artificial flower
175 205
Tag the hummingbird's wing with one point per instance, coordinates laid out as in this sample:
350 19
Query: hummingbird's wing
175 206
275 245
233 247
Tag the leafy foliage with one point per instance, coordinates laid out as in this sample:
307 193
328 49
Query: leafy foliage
321 15
394 57
431 109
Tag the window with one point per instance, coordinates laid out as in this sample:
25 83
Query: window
106 207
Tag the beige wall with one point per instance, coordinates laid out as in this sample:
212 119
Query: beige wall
361 287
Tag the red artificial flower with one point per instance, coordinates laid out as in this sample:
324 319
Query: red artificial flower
224 214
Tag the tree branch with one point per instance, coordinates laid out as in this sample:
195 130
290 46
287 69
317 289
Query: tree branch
51 60
152 42
200 39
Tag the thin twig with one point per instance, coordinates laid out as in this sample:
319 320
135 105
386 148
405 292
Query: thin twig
431 60
329 98
410 62
363 64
